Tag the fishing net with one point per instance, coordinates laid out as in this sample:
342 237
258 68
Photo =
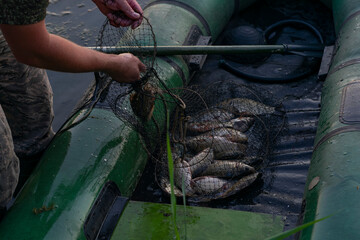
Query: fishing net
108 93
218 144
143 105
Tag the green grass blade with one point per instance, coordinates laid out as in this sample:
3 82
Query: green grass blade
290 232
184 201
171 177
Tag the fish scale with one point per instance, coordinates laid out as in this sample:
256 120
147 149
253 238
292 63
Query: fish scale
227 169
201 161
244 106
223 148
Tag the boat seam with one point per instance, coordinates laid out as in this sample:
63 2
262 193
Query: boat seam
336 132
345 64
348 19
176 67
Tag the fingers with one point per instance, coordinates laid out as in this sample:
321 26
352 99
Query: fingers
142 67
122 13
127 68
137 23
131 9
117 20
135 6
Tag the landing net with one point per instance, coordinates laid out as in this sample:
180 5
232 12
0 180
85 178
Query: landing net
218 145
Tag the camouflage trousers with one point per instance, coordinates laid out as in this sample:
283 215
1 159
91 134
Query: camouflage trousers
26 115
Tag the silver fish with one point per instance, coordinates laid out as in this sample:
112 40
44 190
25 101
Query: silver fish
223 148
235 186
223 189
201 161
246 107
212 114
209 185
182 173
251 161
232 150
230 134
241 123
228 169
166 187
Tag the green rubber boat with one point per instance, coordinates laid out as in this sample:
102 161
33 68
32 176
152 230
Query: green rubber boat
83 186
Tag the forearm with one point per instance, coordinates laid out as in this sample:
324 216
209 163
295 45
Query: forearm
33 45
59 54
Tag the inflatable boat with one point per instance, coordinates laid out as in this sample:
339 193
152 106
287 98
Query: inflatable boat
83 186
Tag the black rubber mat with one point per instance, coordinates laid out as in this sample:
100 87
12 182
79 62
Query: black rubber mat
281 188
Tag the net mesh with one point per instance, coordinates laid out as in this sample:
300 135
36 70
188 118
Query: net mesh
218 145
110 36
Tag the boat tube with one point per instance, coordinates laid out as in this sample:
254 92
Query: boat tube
333 180
81 187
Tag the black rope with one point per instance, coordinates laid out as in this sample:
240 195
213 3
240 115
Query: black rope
267 34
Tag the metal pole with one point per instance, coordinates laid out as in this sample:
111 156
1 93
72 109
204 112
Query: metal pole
202 50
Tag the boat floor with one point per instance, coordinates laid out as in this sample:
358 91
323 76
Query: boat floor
280 191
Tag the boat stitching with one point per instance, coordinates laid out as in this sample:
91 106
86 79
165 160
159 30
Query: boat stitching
335 132
345 64
186 7
348 19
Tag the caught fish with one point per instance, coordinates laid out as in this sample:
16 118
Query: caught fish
166 187
209 185
241 123
228 169
246 107
251 161
180 170
143 101
223 148
182 174
211 188
229 133
212 114
235 186
201 161
233 150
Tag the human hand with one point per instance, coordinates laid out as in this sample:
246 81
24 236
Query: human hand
125 68
121 12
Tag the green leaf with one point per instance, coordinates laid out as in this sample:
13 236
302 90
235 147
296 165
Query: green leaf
184 201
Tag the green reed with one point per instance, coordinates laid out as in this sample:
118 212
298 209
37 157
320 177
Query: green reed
290 232
171 177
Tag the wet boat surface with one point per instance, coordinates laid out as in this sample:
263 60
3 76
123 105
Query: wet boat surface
278 192
281 188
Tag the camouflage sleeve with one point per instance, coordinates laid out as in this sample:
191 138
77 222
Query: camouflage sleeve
21 12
